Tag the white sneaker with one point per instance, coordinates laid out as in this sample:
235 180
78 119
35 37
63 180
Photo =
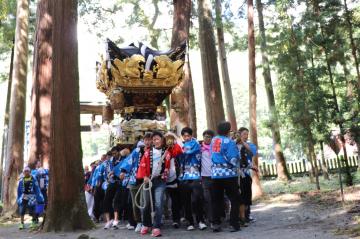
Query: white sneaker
129 227
138 227
190 228
115 224
108 225
202 226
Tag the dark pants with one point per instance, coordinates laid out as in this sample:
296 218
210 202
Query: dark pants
112 197
98 201
231 188
245 190
174 194
192 194
123 200
246 194
207 184
24 205
136 211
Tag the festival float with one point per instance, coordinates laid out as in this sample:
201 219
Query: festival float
136 81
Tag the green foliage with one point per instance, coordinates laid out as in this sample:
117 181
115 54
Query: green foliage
310 51
7 25
94 143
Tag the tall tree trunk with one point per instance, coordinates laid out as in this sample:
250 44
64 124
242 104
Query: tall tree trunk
282 171
348 177
230 111
304 122
353 99
182 111
67 209
352 42
311 170
212 88
6 120
324 166
15 143
41 88
257 190
314 162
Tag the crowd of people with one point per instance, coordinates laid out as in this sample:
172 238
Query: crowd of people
198 183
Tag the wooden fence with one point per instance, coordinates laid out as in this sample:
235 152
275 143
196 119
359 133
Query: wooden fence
299 168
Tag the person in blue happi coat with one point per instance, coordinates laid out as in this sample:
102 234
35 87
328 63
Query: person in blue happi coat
28 196
42 176
96 182
190 178
129 168
247 151
225 158
112 186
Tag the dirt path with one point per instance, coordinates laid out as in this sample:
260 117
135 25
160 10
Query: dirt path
287 216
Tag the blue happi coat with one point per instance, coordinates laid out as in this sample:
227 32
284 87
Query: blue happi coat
33 195
130 166
225 157
103 172
246 171
96 177
42 176
191 160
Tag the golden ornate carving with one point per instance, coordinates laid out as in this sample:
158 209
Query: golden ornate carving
130 74
102 81
134 90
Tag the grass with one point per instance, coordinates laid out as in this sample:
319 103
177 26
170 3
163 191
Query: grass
303 184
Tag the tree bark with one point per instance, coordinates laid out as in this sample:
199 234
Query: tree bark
15 143
305 123
324 166
282 171
212 88
182 111
337 121
352 42
67 209
41 88
230 111
6 120
313 159
256 186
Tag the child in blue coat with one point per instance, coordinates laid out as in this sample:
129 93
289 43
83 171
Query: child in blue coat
29 195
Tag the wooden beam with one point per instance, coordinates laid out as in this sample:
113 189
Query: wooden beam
85 128
91 109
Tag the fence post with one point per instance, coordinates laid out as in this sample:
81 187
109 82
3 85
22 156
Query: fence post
264 169
340 179
305 169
